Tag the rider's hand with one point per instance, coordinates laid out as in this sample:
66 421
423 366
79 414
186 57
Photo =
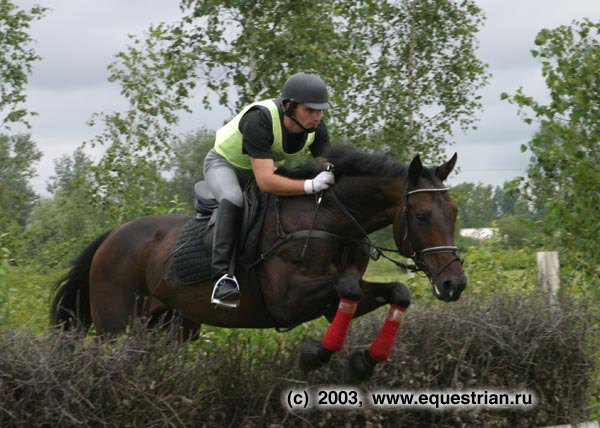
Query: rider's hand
321 182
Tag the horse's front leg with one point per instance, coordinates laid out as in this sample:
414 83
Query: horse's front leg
314 353
362 363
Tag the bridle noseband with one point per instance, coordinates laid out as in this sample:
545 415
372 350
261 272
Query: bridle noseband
417 256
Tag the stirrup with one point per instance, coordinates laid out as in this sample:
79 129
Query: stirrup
223 303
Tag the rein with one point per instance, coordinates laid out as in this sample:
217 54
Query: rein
284 238
416 256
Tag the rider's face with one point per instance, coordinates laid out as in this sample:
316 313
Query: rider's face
308 117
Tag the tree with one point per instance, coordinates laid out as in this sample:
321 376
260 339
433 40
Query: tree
19 155
58 227
253 46
475 204
187 163
16 58
566 151
423 76
510 199
402 73
128 180
72 174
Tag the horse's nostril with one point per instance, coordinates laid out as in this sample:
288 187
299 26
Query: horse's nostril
450 288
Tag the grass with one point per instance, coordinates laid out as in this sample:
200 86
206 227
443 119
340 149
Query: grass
28 294
28 291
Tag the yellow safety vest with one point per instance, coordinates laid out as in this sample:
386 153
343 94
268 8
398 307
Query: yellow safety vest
229 139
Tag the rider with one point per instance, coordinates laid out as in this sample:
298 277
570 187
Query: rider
263 135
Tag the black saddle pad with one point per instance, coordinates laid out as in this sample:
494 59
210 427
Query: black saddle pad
192 257
193 250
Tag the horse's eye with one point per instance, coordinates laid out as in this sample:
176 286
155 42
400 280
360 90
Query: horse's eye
422 217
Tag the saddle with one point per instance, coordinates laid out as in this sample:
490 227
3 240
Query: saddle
193 250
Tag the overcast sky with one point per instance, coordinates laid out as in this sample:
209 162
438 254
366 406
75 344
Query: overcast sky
77 40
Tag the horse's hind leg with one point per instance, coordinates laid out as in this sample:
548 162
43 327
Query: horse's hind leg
114 292
113 306
167 319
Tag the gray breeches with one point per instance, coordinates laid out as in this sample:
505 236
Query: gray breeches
224 180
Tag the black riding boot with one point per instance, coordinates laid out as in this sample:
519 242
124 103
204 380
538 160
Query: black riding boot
226 291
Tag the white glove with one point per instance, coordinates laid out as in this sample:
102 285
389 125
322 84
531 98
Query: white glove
321 182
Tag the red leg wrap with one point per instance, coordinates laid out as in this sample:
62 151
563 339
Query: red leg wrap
382 346
333 340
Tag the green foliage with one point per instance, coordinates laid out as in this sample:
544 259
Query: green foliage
57 229
19 155
564 173
127 180
27 296
515 231
4 302
475 203
422 76
16 59
401 73
479 205
512 199
491 270
186 164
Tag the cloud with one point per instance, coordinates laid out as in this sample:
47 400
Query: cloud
79 39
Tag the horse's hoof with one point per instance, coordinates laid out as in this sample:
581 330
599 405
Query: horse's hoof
313 355
361 365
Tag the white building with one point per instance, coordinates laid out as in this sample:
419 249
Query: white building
479 233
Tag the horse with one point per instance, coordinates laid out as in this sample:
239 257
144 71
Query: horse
317 251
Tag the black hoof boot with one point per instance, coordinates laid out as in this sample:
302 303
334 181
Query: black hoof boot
313 355
361 365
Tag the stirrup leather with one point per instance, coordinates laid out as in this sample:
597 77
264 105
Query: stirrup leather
224 303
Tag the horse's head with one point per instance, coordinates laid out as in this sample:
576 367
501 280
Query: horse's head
424 227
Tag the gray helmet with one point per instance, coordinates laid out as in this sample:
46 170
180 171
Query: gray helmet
306 88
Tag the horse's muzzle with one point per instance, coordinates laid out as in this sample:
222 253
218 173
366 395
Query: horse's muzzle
449 289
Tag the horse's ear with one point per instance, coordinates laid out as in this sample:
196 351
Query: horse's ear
443 171
414 170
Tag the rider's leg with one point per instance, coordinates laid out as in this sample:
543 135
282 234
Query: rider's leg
224 184
224 241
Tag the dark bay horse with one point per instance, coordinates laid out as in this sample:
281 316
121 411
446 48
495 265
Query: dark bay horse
125 272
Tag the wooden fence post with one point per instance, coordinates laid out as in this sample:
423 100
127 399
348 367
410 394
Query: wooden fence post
549 274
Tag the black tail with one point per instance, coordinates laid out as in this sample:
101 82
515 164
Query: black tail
71 303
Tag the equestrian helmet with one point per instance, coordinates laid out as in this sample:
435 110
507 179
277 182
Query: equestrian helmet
306 88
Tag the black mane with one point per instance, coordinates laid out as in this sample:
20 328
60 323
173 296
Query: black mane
350 161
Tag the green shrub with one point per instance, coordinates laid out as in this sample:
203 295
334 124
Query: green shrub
4 254
515 231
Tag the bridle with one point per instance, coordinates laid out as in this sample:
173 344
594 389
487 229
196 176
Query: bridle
417 256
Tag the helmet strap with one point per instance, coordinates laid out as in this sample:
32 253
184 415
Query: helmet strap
290 112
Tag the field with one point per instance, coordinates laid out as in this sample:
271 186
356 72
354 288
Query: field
28 289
